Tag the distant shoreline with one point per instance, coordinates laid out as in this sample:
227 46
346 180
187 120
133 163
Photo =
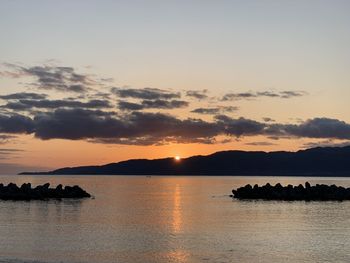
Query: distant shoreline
189 175
314 162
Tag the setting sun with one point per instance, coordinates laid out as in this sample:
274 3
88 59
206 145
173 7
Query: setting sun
177 158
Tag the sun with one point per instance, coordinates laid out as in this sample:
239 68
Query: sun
177 158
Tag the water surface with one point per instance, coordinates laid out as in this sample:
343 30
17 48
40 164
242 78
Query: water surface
172 219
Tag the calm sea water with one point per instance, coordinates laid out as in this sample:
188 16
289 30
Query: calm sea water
172 219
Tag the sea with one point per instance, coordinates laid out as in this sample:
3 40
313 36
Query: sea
172 219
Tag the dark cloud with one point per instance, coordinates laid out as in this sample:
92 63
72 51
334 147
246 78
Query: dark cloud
125 105
215 111
279 137
236 96
100 95
16 106
24 96
77 124
241 126
134 128
197 94
164 104
167 128
145 93
268 94
54 77
271 94
164 125
152 104
260 144
16 124
52 104
209 111
77 120
320 128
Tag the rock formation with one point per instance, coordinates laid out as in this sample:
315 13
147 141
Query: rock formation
40 192
319 192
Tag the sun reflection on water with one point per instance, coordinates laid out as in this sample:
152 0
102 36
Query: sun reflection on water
177 211
178 256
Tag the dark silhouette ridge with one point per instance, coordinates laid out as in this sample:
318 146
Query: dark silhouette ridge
328 161
293 193
41 192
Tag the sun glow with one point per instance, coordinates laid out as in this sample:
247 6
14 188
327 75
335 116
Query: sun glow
177 158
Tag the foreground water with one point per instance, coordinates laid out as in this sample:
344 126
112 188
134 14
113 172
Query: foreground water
172 219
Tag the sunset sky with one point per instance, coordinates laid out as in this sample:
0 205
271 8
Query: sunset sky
94 82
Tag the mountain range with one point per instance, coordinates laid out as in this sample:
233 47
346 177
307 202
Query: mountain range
320 161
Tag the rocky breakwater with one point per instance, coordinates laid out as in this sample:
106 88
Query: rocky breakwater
318 192
40 192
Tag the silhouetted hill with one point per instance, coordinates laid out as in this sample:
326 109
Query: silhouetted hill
332 161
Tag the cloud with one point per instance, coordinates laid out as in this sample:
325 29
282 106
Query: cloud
271 94
260 144
9 150
319 128
145 93
6 153
16 106
9 74
125 105
23 95
229 108
151 140
326 143
52 104
267 119
164 104
209 111
279 137
17 124
4 138
144 127
215 111
236 96
57 78
241 126
290 94
313 128
197 94
134 128
100 95
152 104
88 114
76 124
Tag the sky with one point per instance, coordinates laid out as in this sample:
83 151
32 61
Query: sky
94 82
